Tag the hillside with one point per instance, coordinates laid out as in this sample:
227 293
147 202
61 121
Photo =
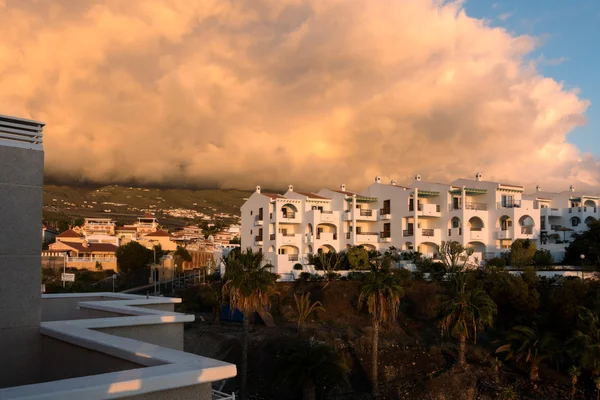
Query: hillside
173 207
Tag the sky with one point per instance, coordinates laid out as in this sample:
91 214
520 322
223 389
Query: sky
234 94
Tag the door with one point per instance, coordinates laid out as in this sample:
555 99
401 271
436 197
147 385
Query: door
411 204
386 230
386 206
456 203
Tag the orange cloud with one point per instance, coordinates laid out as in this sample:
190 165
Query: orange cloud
272 92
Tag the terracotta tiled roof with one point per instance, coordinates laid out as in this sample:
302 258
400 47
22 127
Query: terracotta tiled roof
93 247
313 196
69 233
346 192
125 228
159 233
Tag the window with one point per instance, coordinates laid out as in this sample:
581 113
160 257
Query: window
250 212
575 221
455 223
507 201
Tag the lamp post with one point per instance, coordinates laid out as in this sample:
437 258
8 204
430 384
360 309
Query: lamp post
582 256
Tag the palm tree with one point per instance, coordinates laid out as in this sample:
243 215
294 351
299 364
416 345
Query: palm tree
308 366
464 313
213 296
305 309
382 296
249 286
531 345
574 373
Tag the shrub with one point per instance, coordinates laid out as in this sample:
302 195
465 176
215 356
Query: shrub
496 262
356 276
305 276
542 258
332 276
298 267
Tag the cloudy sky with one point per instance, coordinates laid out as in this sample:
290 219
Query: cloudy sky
314 93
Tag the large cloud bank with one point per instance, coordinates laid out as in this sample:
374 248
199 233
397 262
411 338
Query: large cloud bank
310 92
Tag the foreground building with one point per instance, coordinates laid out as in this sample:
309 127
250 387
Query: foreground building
486 216
79 346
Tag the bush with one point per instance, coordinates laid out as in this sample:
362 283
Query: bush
356 276
332 276
298 267
496 262
542 258
305 276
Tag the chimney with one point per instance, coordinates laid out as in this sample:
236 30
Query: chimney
291 188
572 188
258 189
343 187
377 179
538 188
393 183
417 177
478 176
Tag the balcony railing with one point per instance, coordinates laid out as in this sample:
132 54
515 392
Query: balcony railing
272 236
293 257
319 235
408 232
288 234
476 206
384 211
366 213
289 215
326 212
258 238
427 232
258 218
475 229
555 227
450 231
411 207
348 234
420 207
385 234
527 230
367 233
511 204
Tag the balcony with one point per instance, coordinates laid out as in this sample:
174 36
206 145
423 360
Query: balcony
258 240
290 238
511 204
504 234
550 212
476 206
272 236
385 214
454 231
308 239
428 235
428 210
367 237
385 237
289 217
326 236
477 234
293 257
453 207
585 209
361 215
408 232
329 216
258 220
527 230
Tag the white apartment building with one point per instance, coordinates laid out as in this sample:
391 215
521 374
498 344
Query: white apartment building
487 216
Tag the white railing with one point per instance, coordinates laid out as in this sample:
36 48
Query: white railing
92 259
19 132
216 395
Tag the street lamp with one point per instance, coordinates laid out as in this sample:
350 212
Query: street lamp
582 256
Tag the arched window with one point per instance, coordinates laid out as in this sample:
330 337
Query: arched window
575 221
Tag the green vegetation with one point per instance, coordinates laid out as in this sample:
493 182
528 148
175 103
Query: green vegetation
305 309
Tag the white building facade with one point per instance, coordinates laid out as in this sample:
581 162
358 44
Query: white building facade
486 216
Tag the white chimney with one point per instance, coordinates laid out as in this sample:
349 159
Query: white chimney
393 182
343 187
377 179
291 188
417 177
478 176
572 188
538 188
258 189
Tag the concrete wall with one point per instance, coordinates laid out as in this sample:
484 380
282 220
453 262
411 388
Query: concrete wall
21 178
194 392
165 335
63 309
62 360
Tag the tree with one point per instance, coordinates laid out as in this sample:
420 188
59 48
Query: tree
327 261
98 266
586 243
574 373
181 255
542 258
586 340
521 253
213 296
454 255
310 366
381 294
358 257
305 308
249 286
531 345
463 314
133 257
